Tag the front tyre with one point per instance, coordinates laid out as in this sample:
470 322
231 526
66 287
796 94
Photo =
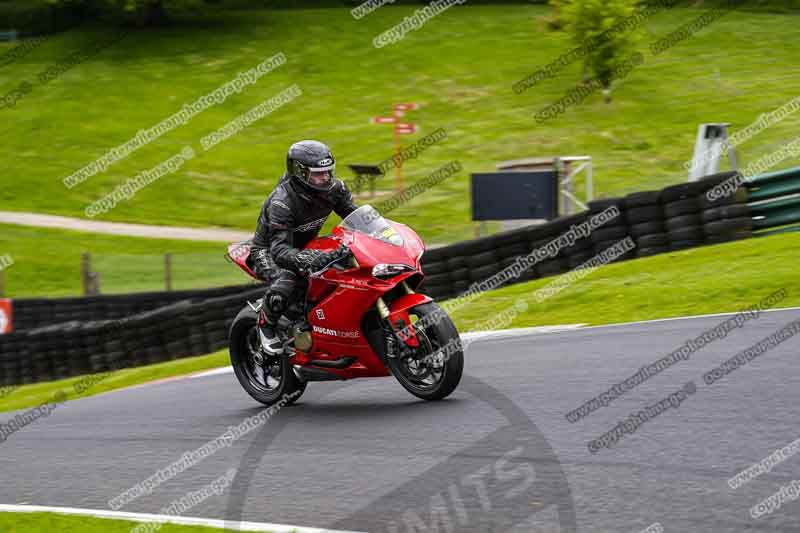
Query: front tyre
266 378
434 369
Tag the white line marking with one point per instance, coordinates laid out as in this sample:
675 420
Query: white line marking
472 336
166 519
213 372
636 323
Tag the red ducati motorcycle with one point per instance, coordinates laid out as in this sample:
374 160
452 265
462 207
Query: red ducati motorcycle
361 317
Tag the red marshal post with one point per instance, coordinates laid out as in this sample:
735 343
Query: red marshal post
405 129
400 128
383 120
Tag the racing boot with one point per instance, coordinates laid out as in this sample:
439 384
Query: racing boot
271 342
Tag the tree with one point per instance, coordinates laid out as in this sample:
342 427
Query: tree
141 12
597 27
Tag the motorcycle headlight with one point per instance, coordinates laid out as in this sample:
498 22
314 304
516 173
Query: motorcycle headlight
384 270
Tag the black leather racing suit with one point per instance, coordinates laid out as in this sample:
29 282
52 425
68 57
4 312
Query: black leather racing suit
292 215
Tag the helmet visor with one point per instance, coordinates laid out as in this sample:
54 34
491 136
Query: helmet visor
321 177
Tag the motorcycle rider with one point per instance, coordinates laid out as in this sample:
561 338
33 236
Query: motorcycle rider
293 215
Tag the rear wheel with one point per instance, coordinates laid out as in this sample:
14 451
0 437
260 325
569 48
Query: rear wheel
266 378
433 370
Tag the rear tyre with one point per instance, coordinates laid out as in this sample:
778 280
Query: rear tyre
267 379
427 374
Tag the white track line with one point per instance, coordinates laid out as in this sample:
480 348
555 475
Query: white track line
472 336
166 519
212 372
654 321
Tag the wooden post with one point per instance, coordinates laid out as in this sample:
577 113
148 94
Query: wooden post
86 266
168 271
95 283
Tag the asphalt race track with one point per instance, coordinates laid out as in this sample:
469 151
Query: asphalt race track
499 455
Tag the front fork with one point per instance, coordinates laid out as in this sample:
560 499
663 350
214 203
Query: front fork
401 337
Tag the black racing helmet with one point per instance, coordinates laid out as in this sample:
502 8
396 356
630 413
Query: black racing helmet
312 164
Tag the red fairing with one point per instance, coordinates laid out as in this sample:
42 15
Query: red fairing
370 252
239 254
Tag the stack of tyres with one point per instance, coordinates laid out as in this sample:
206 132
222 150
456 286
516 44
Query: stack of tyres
451 270
69 346
682 212
549 260
86 341
612 232
131 336
175 333
67 349
512 247
215 331
40 312
496 253
571 256
727 223
197 340
728 218
437 282
114 355
10 367
468 260
41 359
684 205
146 326
459 274
222 311
646 225
457 267
17 362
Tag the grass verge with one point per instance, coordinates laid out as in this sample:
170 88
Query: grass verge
49 522
27 396
710 279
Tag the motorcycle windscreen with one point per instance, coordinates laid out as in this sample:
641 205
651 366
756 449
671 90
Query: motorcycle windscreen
367 220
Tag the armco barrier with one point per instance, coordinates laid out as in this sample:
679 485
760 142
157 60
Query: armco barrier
774 199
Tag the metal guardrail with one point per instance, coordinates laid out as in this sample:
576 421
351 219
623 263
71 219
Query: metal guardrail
774 199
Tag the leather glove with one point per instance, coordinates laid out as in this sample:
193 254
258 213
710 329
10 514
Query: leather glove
315 260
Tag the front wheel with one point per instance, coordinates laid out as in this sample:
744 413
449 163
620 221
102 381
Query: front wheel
267 379
433 370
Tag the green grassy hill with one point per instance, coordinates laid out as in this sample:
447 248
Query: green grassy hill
460 66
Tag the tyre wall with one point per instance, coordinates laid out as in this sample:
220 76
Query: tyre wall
180 329
675 218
